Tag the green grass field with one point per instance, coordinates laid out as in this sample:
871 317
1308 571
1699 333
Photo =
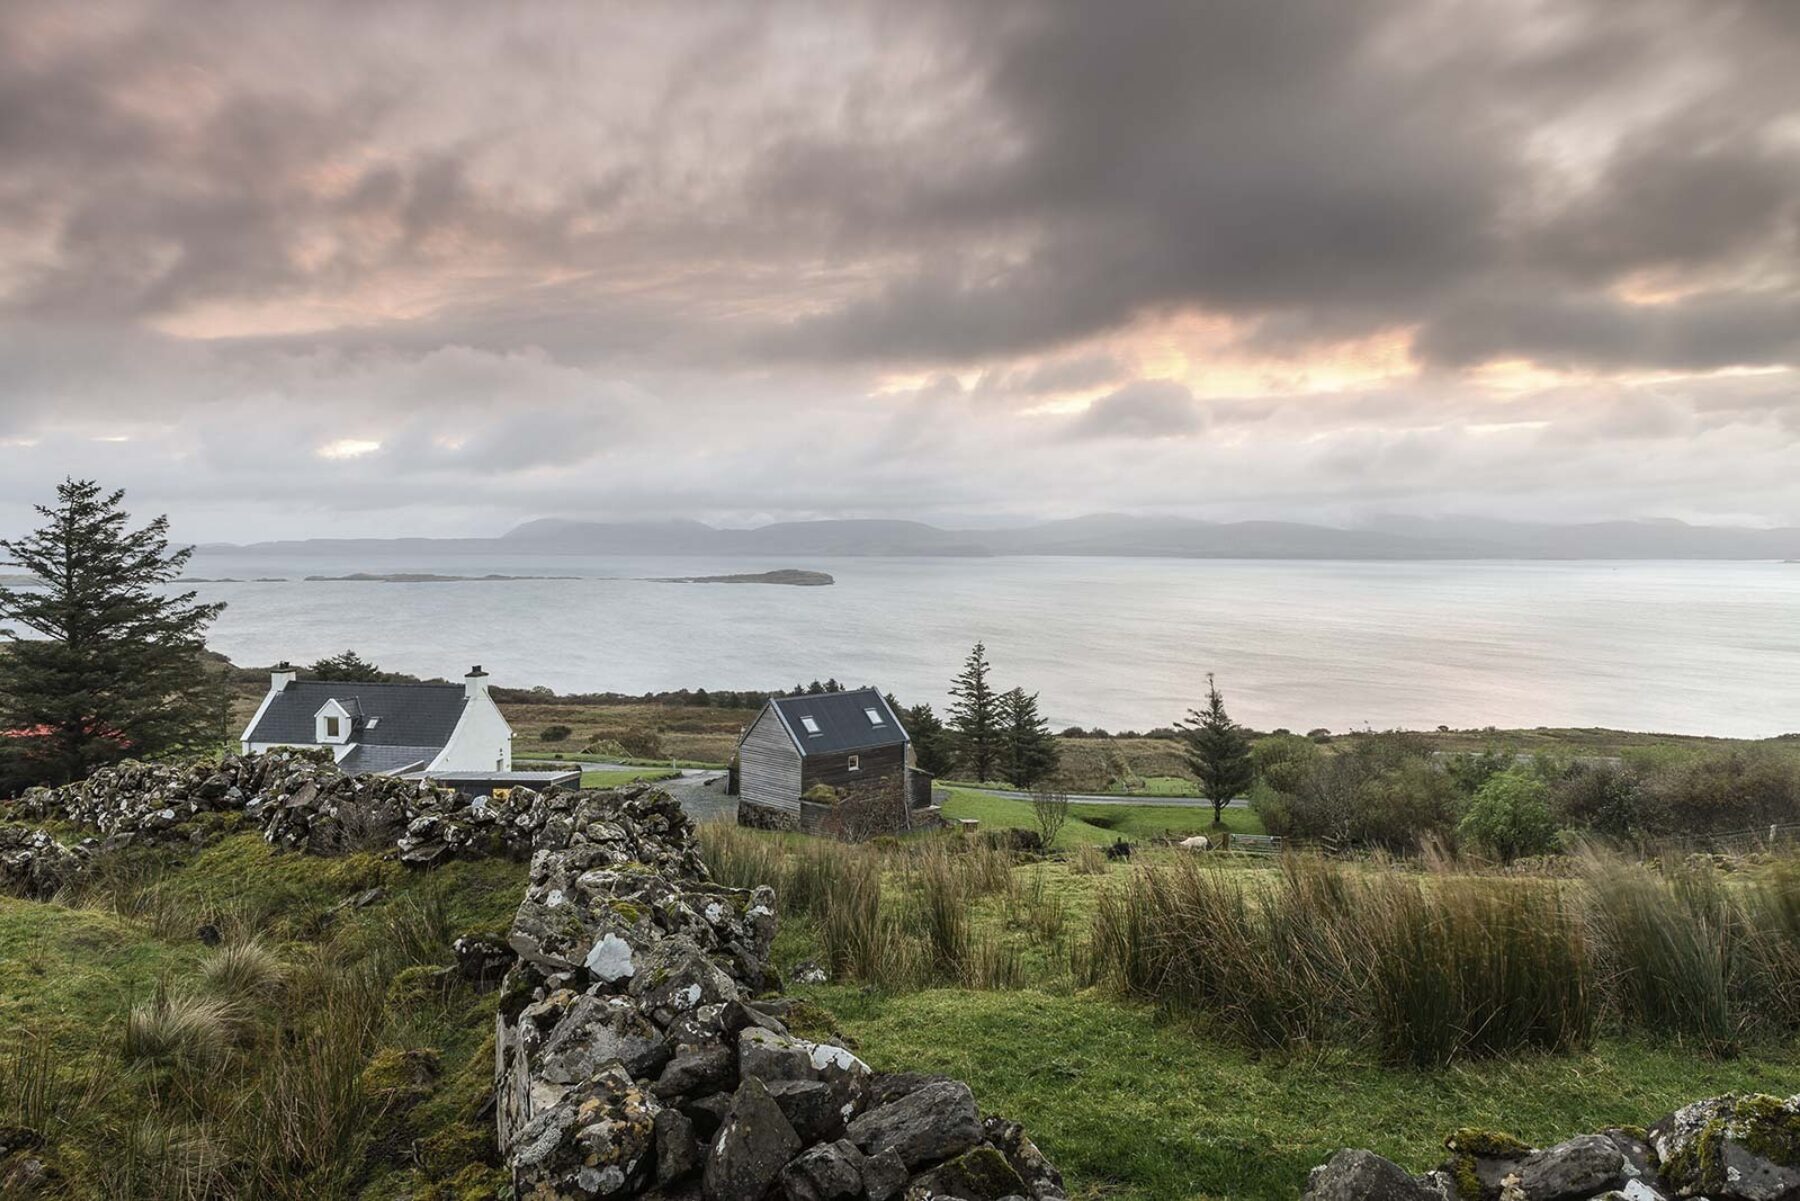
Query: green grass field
1133 1108
1099 824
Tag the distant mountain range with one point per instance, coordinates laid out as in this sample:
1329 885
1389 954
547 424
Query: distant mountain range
1104 534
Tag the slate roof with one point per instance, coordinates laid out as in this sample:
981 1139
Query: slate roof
843 724
363 759
388 715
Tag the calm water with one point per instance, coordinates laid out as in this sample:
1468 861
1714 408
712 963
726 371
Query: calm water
1689 647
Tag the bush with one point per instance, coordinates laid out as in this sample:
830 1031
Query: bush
641 743
1729 792
1610 801
558 733
1510 817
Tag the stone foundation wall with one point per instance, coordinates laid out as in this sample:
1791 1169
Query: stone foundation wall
766 817
1730 1148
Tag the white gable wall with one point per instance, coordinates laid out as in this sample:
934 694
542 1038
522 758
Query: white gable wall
482 741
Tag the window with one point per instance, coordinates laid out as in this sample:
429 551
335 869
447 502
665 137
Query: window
812 727
856 763
331 727
874 716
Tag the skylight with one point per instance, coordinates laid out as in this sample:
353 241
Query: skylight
812 727
874 716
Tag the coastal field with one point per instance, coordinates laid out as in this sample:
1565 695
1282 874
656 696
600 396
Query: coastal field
706 735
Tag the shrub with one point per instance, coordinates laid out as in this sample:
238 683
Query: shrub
557 733
1729 792
1510 816
641 743
1608 800
1049 812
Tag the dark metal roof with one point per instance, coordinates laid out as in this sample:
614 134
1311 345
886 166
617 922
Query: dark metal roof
367 760
398 715
843 724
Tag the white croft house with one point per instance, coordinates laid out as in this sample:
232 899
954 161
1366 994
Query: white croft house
387 729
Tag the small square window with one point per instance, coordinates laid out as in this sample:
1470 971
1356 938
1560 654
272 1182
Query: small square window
856 763
331 727
812 727
874 716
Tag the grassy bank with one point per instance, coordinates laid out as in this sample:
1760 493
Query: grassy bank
321 1049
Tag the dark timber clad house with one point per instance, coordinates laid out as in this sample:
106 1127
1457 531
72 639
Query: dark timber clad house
852 743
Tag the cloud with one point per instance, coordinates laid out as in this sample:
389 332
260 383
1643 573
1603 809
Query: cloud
1144 409
871 258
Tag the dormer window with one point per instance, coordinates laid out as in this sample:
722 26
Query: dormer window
333 723
812 727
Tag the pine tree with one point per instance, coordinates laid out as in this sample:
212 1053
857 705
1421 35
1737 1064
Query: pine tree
974 718
1218 753
931 741
1029 748
116 667
347 666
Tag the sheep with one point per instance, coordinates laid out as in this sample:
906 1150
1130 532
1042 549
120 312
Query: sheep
1198 842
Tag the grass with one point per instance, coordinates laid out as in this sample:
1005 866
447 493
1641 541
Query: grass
1136 1108
1214 1027
322 1050
1099 824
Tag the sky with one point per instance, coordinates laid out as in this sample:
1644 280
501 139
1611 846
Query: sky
381 268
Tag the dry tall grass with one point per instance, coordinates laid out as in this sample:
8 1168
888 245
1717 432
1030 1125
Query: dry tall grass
1426 968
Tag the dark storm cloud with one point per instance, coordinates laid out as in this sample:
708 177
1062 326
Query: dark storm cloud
1331 169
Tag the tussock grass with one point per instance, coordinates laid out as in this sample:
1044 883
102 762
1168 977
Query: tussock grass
246 972
189 1034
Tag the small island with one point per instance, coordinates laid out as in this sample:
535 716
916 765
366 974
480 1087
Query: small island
792 576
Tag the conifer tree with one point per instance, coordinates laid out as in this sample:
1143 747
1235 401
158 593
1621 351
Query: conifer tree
931 741
974 716
103 663
1029 748
1218 753
347 666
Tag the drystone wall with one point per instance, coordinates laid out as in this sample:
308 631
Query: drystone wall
1730 1148
640 1050
639 1053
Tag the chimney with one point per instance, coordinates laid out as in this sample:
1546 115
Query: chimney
475 683
285 673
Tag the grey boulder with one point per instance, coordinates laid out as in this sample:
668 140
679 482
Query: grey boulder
754 1143
934 1123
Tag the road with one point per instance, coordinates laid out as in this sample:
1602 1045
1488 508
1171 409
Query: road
686 772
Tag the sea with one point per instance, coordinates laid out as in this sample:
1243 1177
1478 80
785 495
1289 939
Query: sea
1675 647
